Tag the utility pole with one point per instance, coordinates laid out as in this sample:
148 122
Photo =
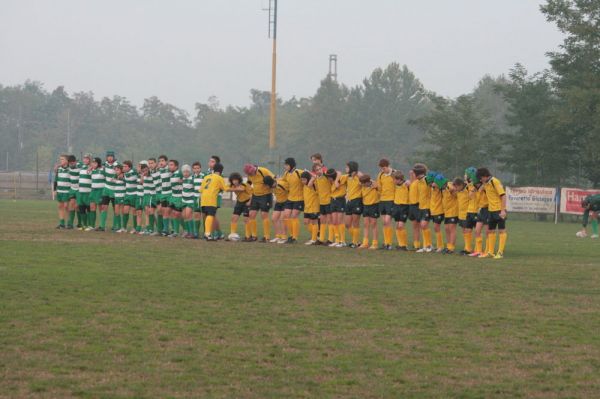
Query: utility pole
332 67
273 36
69 148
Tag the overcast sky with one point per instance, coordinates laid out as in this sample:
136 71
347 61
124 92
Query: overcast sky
184 51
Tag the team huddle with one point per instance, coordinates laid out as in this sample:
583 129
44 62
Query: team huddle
163 198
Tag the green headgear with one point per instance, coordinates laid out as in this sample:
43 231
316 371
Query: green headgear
110 153
471 173
440 181
430 177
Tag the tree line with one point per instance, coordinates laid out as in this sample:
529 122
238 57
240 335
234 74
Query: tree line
535 129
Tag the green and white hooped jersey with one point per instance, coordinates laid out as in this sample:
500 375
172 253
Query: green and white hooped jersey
149 186
109 173
165 177
139 187
74 176
155 174
188 190
98 179
176 184
197 183
63 180
131 183
85 180
119 188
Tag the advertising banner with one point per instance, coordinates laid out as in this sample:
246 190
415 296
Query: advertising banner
531 199
570 200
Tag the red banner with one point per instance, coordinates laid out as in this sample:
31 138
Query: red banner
570 199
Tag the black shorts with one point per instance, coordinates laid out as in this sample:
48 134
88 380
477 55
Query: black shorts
241 208
413 212
311 216
400 213
495 220
209 210
354 207
325 209
279 207
437 219
338 205
470 222
483 216
371 211
451 220
386 208
294 205
165 203
424 215
261 202
107 200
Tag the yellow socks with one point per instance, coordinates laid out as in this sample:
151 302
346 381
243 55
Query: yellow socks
479 244
491 238
253 227
233 227
399 236
332 233
502 244
427 238
417 244
342 232
468 237
374 245
295 228
439 239
322 231
288 226
267 228
208 225
314 230
387 235
355 235
451 247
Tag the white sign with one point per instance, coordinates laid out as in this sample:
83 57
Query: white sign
570 199
531 199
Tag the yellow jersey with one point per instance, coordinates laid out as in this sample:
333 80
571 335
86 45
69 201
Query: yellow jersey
463 203
311 199
450 201
370 195
324 189
340 191
281 191
436 205
413 192
211 186
295 186
386 186
473 199
494 192
424 193
482 201
242 196
258 181
354 187
401 194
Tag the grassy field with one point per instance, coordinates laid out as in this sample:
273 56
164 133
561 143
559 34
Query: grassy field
104 315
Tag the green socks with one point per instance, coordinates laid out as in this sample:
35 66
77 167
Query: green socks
71 217
61 222
135 225
125 220
594 227
150 223
175 222
197 227
92 218
103 215
165 225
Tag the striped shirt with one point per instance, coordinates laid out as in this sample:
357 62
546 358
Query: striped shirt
155 174
131 183
197 183
188 190
74 176
98 178
63 180
85 180
139 187
176 184
119 188
149 186
165 177
109 173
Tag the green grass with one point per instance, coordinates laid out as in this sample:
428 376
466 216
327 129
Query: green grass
104 315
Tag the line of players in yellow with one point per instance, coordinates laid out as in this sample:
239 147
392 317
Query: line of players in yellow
334 202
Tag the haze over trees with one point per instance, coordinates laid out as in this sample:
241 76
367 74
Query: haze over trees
541 129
